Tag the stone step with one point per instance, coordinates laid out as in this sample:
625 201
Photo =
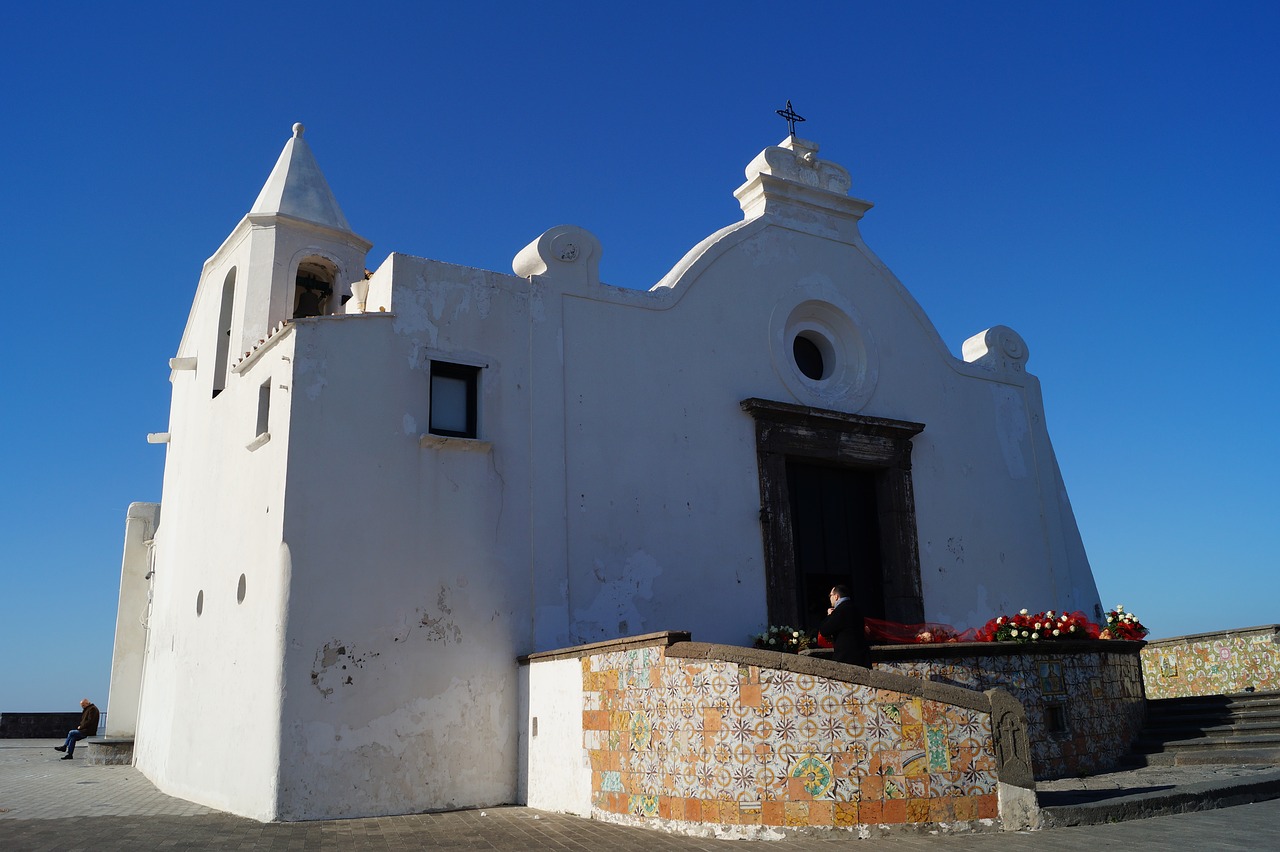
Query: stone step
1187 730
1204 757
1269 710
1214 702
1149 745
1176 718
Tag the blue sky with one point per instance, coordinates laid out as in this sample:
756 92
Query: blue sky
1099 176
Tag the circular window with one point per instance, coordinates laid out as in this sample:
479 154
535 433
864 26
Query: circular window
807 350
821 350
200 602
240 589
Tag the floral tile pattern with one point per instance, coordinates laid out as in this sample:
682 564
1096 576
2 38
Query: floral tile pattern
1100 695
1214 664
709 741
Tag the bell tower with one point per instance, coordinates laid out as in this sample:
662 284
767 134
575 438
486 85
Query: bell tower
302 253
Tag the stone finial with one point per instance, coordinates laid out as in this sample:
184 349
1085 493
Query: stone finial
796 160
298 128
789 180
999 349
565 254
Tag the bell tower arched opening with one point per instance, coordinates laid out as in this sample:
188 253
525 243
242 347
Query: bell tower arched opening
313 288
224 332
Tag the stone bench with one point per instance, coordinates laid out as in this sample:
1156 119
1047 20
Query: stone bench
108 751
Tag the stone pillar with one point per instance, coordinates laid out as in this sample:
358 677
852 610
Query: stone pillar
131 631
1017 786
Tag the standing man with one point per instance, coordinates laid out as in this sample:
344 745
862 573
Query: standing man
88 727
845 627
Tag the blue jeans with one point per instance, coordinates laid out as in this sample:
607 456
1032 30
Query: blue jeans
72 736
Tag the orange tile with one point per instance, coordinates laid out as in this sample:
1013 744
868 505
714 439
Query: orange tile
821 813
942 809
710 720
796 791
795 813
772 813
676 806
871 787
894 811
749 694
966 807
693 810
595 720
988 806
664 807
917 810
845 814
869 812
710 811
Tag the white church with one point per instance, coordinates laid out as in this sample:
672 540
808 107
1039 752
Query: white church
382 488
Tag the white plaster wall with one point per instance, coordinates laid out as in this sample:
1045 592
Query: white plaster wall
555 772
131 619
208 726
410 593
662 488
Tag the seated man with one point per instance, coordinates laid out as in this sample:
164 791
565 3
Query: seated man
88 727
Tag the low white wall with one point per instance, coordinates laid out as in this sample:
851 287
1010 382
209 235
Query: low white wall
555 774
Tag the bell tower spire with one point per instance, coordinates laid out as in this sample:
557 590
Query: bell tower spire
297 188
303 254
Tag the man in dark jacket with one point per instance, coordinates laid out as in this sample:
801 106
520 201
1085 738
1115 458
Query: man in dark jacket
88 727
845 628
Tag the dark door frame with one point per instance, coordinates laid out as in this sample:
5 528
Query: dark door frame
787 431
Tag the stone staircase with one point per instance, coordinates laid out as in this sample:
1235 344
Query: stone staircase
1241 728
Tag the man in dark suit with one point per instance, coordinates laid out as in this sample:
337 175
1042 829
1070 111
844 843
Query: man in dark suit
845 628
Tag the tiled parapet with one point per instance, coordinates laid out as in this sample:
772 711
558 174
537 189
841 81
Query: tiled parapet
698 735
1221 663
1084 700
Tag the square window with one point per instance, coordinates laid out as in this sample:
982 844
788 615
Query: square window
1055 718
453 399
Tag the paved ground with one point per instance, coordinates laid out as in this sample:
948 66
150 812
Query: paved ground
50 804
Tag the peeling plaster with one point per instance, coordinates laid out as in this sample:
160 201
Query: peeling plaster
441 628
311 371
410 425
447 750
413 315
613 611
336 665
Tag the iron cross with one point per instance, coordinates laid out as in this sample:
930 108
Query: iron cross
791 116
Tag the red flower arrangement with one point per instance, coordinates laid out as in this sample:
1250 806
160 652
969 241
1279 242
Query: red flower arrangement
1047 626
1123 625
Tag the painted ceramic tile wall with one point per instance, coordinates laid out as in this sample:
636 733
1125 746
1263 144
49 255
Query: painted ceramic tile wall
1213 663
709 741
1084 710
